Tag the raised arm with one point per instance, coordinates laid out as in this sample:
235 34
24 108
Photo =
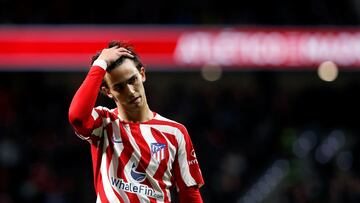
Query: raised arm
81 107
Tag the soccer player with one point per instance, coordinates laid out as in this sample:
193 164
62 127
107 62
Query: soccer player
137 154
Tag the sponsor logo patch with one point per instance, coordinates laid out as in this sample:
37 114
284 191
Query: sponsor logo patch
138 176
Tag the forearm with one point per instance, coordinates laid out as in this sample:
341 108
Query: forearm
84 100
190 195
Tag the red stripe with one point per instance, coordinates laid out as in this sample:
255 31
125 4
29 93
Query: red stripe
159 137
177 174
144 153
109 155
194 169
143 146
173 141
125 154
169 123
96 162
124 159
95 124
101 191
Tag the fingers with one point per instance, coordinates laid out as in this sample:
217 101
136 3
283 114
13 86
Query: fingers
121 51
110 55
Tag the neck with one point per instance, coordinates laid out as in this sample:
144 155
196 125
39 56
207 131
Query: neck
139 115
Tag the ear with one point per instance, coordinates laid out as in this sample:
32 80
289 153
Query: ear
106 91
142 73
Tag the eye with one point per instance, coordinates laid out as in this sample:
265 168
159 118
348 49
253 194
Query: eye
132 80
119 87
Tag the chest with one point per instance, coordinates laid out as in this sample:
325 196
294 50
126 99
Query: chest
146 144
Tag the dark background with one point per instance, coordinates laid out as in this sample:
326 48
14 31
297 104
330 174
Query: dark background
260 136
197 12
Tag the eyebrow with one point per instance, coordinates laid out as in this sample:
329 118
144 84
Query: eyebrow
126 81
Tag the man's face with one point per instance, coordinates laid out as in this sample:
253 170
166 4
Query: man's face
125 84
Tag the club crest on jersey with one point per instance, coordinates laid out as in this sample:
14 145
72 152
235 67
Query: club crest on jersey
158 151
138 176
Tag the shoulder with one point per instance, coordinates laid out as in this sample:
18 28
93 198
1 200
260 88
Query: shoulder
105 112
161 120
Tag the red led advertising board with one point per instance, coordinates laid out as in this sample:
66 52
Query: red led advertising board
180 48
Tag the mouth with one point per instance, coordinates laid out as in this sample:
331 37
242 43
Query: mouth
135 99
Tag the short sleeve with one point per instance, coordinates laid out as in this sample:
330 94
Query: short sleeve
95 132
186 166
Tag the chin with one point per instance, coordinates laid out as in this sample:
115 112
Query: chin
136 104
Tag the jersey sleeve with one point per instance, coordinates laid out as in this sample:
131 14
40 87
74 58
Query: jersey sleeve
85 119
186 167
190 195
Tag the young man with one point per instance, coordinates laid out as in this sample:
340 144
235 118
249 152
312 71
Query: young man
137 154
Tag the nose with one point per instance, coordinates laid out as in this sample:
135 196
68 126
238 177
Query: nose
130 88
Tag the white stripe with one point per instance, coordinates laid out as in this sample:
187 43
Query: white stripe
183 164
83 137
153 164
167 129
97 131
106 120
94 114
172 152
98 200
135 158
162 154
116 132
161 118
114 164
182 155
110 195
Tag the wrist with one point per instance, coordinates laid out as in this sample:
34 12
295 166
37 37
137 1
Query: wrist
101 63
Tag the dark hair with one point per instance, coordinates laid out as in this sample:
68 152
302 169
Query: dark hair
118 62
121 60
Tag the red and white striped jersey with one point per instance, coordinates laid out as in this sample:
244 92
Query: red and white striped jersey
139 162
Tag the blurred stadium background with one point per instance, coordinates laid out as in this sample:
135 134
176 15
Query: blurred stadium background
243 76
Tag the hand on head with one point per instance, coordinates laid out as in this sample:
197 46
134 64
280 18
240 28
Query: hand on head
110 55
